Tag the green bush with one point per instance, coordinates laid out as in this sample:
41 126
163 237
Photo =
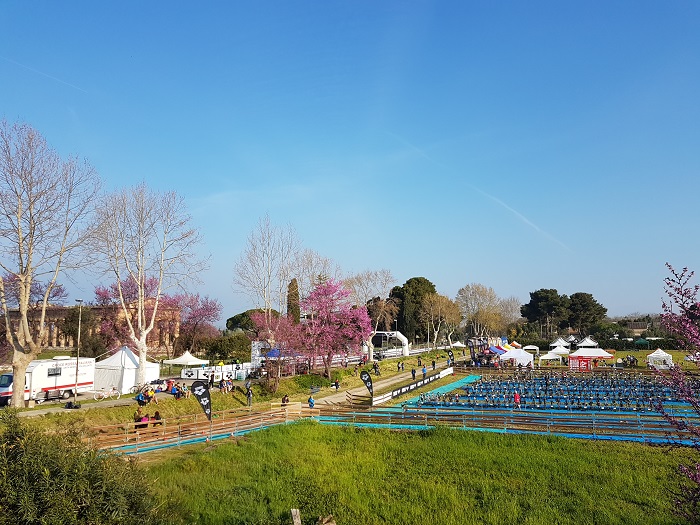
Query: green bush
56 479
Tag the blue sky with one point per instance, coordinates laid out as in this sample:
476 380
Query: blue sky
521 145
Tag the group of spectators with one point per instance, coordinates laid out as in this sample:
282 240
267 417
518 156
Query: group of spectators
146 397
225 386
142 420
178 391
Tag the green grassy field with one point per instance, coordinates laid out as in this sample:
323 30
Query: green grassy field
366 477
437 477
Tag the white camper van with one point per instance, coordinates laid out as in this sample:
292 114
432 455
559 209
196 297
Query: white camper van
52 379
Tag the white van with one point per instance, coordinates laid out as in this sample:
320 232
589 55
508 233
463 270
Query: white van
52 379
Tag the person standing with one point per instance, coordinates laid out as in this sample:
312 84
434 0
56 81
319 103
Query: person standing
413 374
249 396
433 364
516 400
311 401
425 371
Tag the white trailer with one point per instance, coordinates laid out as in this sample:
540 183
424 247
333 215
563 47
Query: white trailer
52 379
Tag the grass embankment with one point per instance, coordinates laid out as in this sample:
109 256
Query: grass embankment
297 388
442 477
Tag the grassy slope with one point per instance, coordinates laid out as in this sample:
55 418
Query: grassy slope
442 477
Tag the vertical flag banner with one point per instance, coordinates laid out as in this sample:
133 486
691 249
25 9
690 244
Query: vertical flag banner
367 380
452 356
201 392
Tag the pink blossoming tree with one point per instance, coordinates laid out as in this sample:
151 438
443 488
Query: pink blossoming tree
285 339
681 318
332 325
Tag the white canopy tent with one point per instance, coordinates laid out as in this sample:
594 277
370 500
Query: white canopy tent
550 356
660 360
521 356
186 359
595 353
120 370
559 350
559 342
531 347
457 344
588 342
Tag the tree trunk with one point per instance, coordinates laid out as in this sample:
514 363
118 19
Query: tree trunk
142 349
20 361
327 360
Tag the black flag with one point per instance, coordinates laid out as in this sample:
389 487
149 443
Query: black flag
367 380
201 392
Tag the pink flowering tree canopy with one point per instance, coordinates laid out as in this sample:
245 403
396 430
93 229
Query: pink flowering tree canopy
681 318
332 325
285 338
681 314
197 317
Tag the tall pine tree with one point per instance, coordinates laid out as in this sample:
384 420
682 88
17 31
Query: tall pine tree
293 310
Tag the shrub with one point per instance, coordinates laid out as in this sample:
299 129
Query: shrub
57 479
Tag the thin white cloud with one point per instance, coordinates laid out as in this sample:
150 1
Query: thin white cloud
43 74
498 201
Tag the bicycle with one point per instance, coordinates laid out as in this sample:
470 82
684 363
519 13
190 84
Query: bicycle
139 388
112 393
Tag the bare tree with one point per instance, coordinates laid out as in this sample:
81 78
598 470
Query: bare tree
266 268
312 269
453 319
371 288
369 284
481 309
510 311
144 239
439 313
44 204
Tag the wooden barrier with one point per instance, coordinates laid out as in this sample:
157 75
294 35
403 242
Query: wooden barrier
294 407
168 432
648 426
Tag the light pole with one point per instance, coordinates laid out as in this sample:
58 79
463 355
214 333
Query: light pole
77 350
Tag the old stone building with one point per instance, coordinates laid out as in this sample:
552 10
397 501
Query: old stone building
165 331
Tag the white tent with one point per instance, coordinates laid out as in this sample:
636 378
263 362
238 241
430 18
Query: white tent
596 353
531 347
559 350
521 356
660 360
186 359
550 356
588 342
457 344
121 371
558 342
